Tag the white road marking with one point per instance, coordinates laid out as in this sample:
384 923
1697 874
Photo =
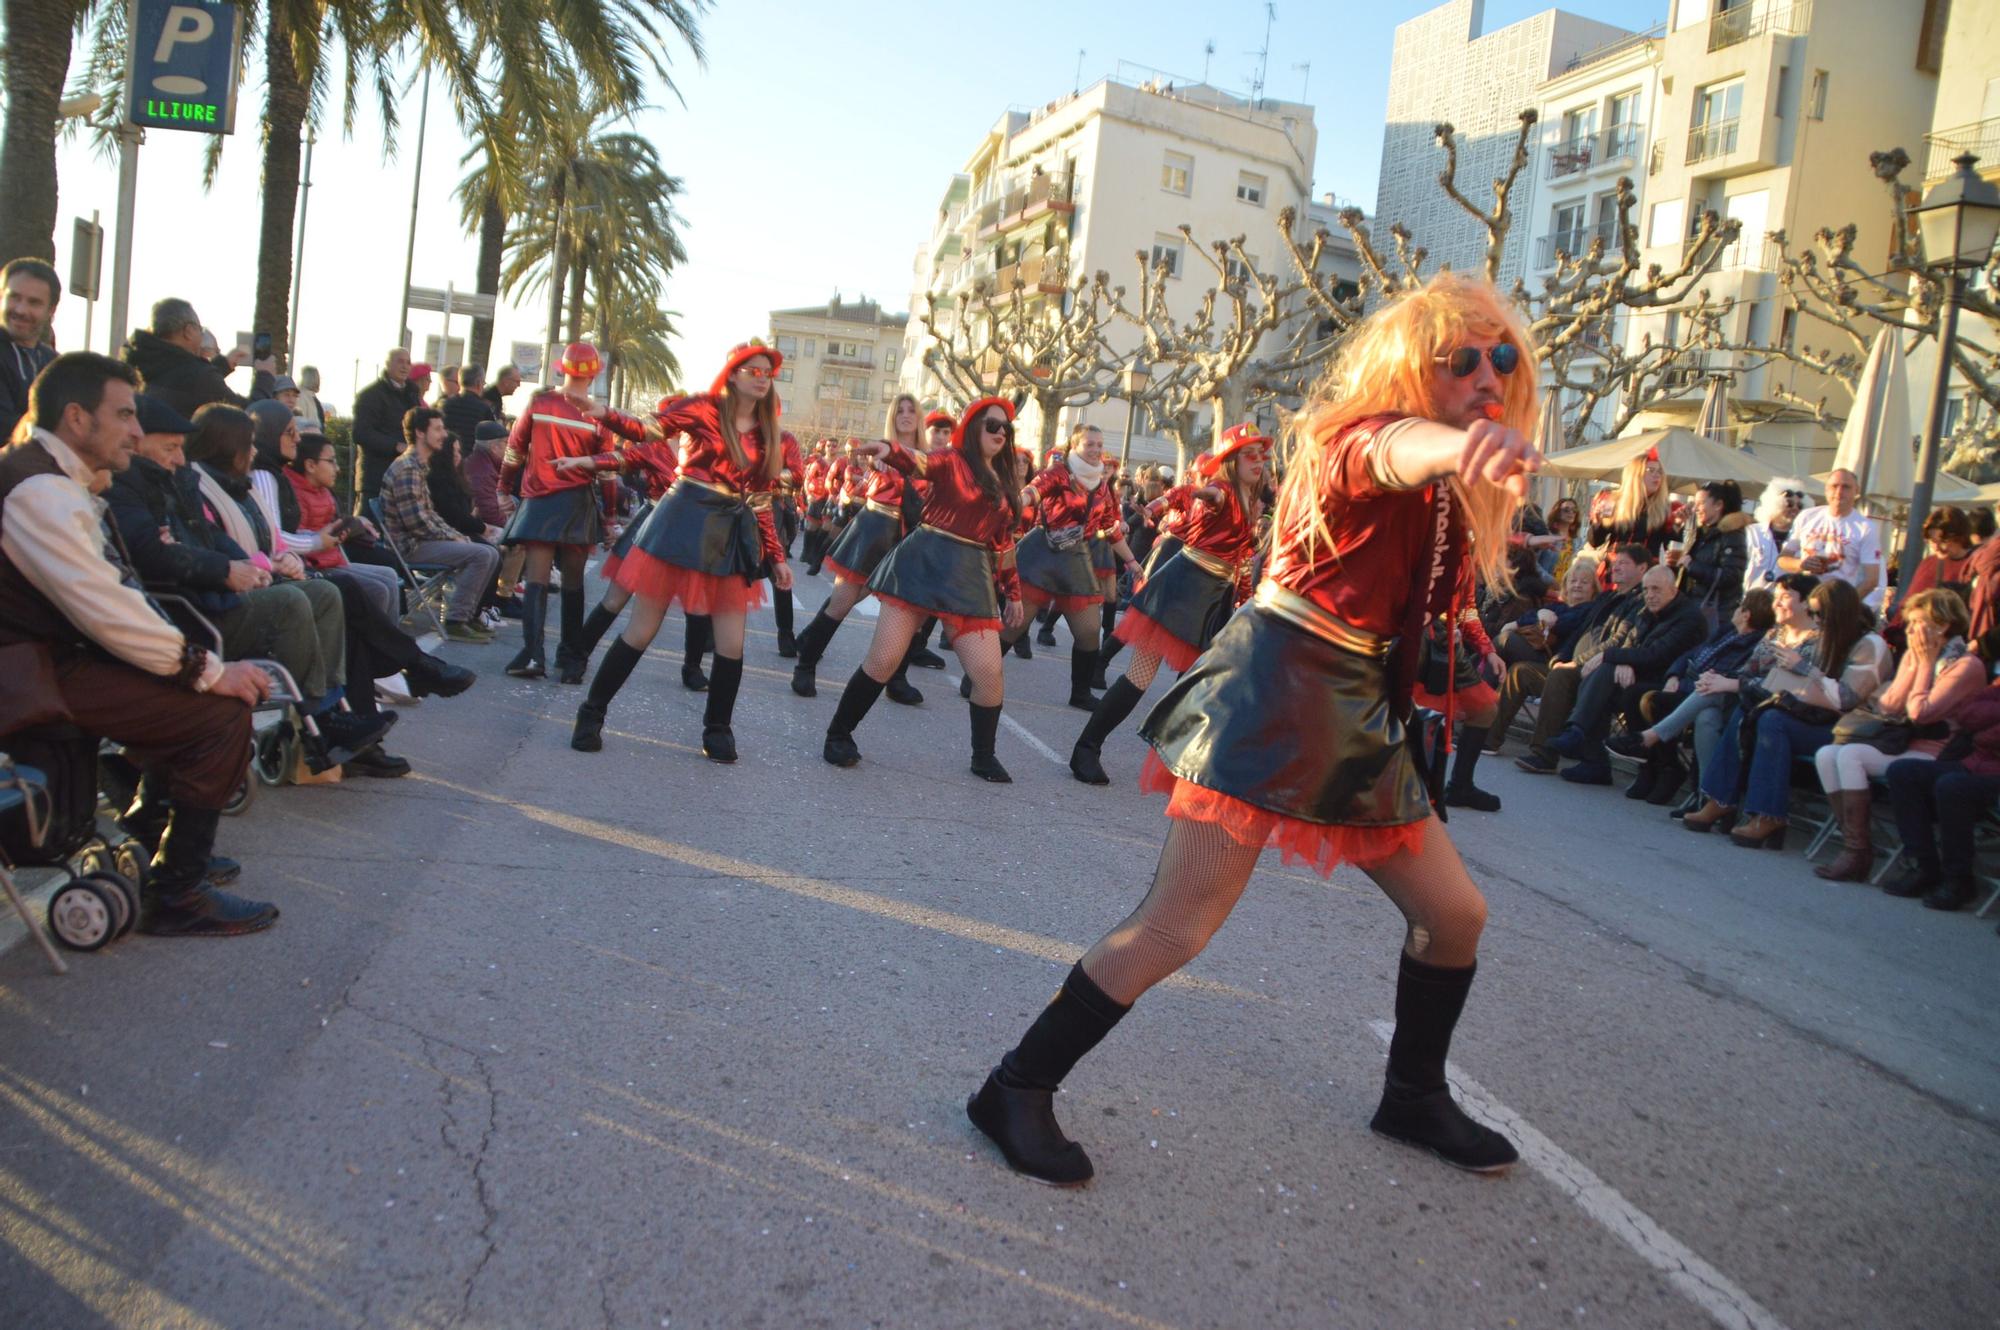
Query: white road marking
1021 730
1695 1279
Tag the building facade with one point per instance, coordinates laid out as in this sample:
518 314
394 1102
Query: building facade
842 362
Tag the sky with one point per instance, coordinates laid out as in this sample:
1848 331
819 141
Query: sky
813 150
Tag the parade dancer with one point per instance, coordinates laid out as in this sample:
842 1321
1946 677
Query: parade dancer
862 545
1290 730
818 468
558 518
1185 601
789 474
1168 513
658 464
938 426
707 544
1074 501
953 566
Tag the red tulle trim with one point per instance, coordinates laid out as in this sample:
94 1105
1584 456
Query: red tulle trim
1307 844
959 624
1037 597
1472 698
698 592
842 573
608 570
1141 633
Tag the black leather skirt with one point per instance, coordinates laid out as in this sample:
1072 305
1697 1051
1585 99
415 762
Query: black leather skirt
1166 547
939 574
704 530
1186 600
1056 573
567 517
864 542
1278 718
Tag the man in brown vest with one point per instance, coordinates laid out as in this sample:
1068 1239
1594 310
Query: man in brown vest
102 653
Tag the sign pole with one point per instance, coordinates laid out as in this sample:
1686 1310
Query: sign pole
129 137
299 264
96 262
416 187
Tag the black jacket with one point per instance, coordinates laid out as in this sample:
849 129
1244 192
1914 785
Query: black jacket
182 379
18 367
1611 622
1657 640
378 429
1715 564
462 414
173 546
1725 653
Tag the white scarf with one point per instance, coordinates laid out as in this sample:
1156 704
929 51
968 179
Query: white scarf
235 522
1087 474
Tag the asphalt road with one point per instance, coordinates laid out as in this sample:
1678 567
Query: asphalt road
546 1039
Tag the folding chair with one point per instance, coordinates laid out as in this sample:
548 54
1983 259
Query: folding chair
429 584
25 789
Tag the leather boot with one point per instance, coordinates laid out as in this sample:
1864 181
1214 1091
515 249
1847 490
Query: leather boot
177 900
985 729
811 646
1015 1108
1098 657
1086 760
1670 775
1461 792
781 610
1710 816
1648 777
855 702
901 691
1022 648
146 822
1081 663
595 625
571 662
612 672
718 741
1762 832
530 663
1853 809
699 637
1417 1107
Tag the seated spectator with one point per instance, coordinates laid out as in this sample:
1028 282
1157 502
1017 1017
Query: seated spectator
1939 801
424 537
1611 685
1711 571
1938 673
466 409
119 669
169 355
494 507
1770 527
323 537
1790 715
1698 690
1613 621
1532 644
451 494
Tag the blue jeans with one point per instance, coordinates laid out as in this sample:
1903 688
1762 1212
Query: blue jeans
1675 722
1780 739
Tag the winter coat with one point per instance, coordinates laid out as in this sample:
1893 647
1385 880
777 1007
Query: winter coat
1712 572
1725 653
1979 717
482 473
1658 639
463 413
173 546
378 429
452 497
18 367
1613 621
183 380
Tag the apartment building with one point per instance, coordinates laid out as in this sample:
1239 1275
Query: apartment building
1966 118
842 360
1096 180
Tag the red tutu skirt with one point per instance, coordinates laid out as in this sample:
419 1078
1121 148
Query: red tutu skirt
844 574
959 624
1318 846
698 592
1472 698
1140 632
1038 598
608 570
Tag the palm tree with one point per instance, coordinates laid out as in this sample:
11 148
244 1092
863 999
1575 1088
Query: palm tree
39 33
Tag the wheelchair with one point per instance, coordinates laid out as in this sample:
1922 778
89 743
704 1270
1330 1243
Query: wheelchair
51 816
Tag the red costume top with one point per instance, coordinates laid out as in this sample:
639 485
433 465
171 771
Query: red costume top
555 426
1223 530
883 484
705 459
657 462
816 477
853 477
957 505
1061 503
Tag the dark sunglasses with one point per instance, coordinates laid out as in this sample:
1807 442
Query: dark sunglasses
1464 362
993 426
1800 495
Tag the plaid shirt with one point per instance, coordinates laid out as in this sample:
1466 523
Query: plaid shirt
406 505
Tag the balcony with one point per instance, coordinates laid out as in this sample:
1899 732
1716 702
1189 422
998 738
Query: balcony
1035 274
1618 145
866 361
1757 253
1706 142
1741 23
1041 196
1573 242
1981 139
1572 158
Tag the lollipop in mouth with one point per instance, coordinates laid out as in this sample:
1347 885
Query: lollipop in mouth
1491 410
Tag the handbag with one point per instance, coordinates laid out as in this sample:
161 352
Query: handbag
1065 540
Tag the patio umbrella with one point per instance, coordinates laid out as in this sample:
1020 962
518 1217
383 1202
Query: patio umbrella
1686 457
1875 442
1712 421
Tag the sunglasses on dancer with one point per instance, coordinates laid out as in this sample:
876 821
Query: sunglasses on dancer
758 372
999 427
1464 362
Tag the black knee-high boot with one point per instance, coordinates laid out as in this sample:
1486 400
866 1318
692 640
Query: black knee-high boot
616 668
1085 762
985 729
1047 634
571 660
700 635
1101 657
855 701
718 741
899 687
815 550
1081 665
530 663
811 646
1460 792
1016 1106
1417 1107
781 609
595 625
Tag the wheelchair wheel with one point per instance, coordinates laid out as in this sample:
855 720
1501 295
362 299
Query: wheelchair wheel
124 899
275 752
93 858
239 802
83 914
128 860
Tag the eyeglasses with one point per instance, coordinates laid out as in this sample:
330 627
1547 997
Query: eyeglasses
757 372
1464 362
993 426
1799 495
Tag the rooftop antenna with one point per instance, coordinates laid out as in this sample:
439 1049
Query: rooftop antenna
1304 68
1264 55
1078 84
1207 54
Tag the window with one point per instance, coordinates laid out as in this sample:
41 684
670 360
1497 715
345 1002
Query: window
1568 227
888 389
1250 188
785 374
1622 138
1816 96
1167 251
809 348
1667 222
1237 271
857 387
1788 328
889 360
788 347
829 390
1177 173
1579 127
1716 109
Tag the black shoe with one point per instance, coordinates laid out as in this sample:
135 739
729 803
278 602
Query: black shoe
1627 745
1046 635
342 734
902 690
1668 774
718 743
987 767
1955 893
527 665
204 912
1430 1120
693 679
436 676
840 750
804 680
222 870
1570 743
1472 797
1535 764
1916 879
1642 784
1022 1122
588 735
1588 773
1097 674
788 646
375 762
1023 649
1087 765
570 667
925 658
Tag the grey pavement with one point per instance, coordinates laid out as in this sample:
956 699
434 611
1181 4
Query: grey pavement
630 1039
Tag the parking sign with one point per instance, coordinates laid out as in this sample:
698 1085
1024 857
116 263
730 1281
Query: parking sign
182 62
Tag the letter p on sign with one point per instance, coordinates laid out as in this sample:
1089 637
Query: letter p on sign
185 24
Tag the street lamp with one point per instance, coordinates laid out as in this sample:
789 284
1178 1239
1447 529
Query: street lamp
1134 380
1958 221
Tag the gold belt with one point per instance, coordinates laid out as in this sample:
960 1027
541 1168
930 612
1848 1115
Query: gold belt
1303 613
1209 563
758 501
884 509
953 535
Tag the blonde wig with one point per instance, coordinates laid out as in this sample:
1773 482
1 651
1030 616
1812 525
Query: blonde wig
1386 368
916 442
1638 513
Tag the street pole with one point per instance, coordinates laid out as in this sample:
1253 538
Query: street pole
129 137
1927 453
1131 419
416 187
96 271
299 264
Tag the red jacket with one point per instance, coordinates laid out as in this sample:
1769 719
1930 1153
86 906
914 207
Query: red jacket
317 511
554 426
955 503
705 460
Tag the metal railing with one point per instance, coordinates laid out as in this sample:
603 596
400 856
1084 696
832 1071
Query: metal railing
1745 21
1717 139
1981 138
1573 241
1572 158
1618 143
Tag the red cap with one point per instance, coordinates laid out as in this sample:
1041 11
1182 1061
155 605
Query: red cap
974 411
938 418
1202 466
741 356
1234 440
420 370
580 361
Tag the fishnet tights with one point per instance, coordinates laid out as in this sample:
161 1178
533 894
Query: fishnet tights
1201 876
979 653
1145 665
1083 629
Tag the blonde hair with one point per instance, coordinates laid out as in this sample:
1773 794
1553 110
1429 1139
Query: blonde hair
889 420
1386 368
1634 504
766 415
